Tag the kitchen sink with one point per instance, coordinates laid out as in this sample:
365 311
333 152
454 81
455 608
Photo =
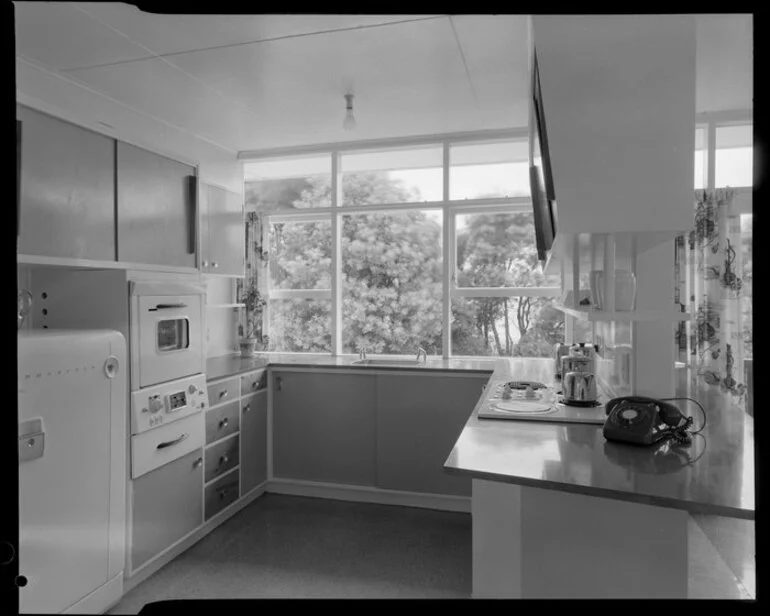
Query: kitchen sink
387 362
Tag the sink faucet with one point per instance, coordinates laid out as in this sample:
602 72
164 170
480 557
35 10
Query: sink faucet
421 351
362 352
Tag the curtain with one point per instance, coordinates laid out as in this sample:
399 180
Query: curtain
255 258
708 286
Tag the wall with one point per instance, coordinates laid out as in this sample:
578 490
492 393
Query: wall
51 93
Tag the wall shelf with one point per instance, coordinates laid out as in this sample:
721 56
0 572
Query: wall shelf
672 315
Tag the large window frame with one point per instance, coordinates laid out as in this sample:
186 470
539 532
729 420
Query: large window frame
449 209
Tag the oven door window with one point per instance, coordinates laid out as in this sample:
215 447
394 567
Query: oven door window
173 335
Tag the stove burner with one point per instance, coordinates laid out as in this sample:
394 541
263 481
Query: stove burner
524 384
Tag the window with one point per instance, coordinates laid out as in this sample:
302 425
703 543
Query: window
700 158
392 282
733 162
301 255
288 183
379 245
490 169
300 325
410 175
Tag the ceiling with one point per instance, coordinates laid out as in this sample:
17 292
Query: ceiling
250 82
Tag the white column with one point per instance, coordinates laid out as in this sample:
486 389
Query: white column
653 341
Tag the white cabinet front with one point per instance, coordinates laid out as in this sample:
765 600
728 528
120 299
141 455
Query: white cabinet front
170 337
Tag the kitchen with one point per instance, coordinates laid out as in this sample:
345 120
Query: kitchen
294 185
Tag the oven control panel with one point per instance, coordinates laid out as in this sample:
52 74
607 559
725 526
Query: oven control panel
161 404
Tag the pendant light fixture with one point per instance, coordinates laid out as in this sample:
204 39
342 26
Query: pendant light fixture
350 122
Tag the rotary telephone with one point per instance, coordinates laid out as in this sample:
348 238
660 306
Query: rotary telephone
644 421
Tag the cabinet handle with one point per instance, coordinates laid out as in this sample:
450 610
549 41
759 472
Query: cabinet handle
174 442
192 187
247 408
223 423
223 460
223 393
278 381
254 386
197 462
205 264
214 264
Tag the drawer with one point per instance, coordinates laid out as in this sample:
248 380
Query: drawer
253 382
221 457
223 391
222 421
221 493
158 446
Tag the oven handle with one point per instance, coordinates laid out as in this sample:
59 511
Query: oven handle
168 306
174 442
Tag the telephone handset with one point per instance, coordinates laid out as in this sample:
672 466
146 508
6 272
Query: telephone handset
644 421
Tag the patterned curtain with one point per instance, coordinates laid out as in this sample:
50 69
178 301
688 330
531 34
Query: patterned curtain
256 257
708 274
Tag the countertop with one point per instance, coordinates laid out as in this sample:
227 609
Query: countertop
229 365
577 458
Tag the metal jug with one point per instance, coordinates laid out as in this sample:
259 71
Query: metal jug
579 387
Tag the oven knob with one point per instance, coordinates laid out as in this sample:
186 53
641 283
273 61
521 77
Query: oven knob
155 404
192 389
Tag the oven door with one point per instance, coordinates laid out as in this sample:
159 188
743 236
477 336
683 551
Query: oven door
170 337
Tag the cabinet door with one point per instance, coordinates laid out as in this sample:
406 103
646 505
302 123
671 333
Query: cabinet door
253 441
324 427
225 232
167 504
419 419
67 200
156 208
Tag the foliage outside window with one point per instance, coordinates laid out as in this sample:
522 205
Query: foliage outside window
392 265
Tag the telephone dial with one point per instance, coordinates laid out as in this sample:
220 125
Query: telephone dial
644 421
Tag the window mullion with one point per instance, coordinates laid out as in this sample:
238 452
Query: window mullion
448 262
336 264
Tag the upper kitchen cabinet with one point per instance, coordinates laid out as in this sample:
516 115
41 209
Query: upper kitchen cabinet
619 106
222 232
156 208
67 200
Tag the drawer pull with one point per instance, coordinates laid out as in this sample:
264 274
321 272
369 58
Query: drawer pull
174 442
254 385
223 423
223 460
247 408
223 393
197 462
223 490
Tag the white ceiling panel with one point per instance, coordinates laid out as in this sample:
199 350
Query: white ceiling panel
419 54
61 36
175 33
155 87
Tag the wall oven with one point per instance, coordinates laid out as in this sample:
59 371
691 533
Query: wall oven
167 330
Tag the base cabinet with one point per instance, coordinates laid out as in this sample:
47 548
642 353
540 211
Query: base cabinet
324 427
167 504
253 441
419 419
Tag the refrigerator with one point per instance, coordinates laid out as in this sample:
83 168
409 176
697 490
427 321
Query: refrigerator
72 391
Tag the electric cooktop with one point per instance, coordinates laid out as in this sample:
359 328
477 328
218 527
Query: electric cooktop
533 401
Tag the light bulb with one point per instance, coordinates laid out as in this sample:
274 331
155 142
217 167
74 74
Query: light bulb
349 123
